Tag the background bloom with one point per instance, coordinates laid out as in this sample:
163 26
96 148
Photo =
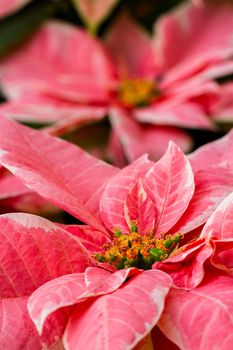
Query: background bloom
177 84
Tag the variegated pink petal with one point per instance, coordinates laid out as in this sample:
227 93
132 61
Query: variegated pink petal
90 238
133 53
71 289
115 150
94 12
17 330
121 319
171 112
11 186
113 199
223 255
203 36
57 293
212 185
34 250
79 117
9 6
170 184
44 110
220 224
140 209
223 111
186 266
137 139
201 318
215 153
75 75
57 170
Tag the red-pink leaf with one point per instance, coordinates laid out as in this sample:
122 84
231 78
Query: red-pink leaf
170 184
138 138
203 40
34 250
90 238
115 193
17 330
186 267
201 318
11 186
140 209
133 54
121 319
213 154
57 170
212 185
39 69
220 224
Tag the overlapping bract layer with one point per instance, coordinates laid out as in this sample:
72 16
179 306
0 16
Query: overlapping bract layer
162 196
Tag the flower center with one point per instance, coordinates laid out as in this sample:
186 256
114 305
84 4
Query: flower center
137 92
136 250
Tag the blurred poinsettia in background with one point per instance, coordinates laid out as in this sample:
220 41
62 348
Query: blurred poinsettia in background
145 84
117 237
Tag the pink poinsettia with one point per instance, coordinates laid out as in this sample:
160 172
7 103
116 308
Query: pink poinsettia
147 86
9 6
134 220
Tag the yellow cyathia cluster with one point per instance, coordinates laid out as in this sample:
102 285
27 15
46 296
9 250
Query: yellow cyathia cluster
137 92
134 249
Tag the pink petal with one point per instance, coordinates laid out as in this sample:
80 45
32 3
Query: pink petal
170 184
223 112
213 154
79 117
44 110
71 289
11 186
220 224
139 208
133 53
202 36
91 239
94 12
113 199
9 6
223 258
17 330
212 185
115 151
137 139
201 318
186 266
82 72
59 171
34 250
14 196
172 112
121 319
